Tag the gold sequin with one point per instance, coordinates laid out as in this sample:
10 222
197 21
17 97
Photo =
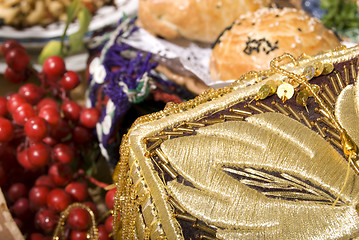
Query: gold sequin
285 91
309 72
327 68
302 97
319 67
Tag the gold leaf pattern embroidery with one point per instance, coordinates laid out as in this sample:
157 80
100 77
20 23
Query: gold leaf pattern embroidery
200 201
274 143
346 111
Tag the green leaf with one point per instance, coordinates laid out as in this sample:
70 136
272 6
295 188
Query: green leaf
76 42
84 17
75 9
72 10
341 14
76 39
52 48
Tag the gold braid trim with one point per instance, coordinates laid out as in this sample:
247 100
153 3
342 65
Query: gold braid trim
59 231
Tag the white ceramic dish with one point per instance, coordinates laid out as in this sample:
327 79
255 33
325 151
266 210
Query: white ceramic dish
38 36
34 38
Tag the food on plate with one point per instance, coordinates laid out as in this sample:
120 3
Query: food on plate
256 38
201 20
39 12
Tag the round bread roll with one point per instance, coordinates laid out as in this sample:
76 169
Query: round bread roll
256 38
201 20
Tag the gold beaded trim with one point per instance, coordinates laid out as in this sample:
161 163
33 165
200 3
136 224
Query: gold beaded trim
59 231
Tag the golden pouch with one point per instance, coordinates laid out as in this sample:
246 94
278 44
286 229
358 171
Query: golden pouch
239 163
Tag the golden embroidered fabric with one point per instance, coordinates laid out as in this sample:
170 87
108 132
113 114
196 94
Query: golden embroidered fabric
225 166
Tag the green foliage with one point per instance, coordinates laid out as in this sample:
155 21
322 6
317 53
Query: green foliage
75 44
52 48
342 14
76 39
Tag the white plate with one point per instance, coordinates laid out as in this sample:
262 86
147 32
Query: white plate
38 36
34 38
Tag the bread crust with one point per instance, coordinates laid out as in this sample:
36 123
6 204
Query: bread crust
201 20
258 37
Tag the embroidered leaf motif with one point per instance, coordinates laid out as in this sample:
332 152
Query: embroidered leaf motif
280 186
346 111
244 177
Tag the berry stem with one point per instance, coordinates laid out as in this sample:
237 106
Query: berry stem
81 172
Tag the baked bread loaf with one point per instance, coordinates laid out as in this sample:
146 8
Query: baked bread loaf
256 38
201 20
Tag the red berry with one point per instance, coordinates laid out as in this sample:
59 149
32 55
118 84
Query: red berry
38 154
50 114
46 219
31 92
21 208
17 59
63 153
36 128
45 180
109 224
3 106
54 66
23 159
50 141
58 199
23 113
81 134
70 80
8 45
14 101
60 173
61 130
78 219
77 190
71 110
89 117
102 233
110 198
47 102
38 196
16 191
6 130
78 235
35 236
15 77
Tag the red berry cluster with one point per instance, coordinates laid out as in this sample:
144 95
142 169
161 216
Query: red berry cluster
41 205
17 60
41 133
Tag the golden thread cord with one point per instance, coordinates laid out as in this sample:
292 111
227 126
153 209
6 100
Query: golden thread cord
345 182
59 231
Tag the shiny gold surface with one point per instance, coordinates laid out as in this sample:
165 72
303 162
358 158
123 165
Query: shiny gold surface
232 166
